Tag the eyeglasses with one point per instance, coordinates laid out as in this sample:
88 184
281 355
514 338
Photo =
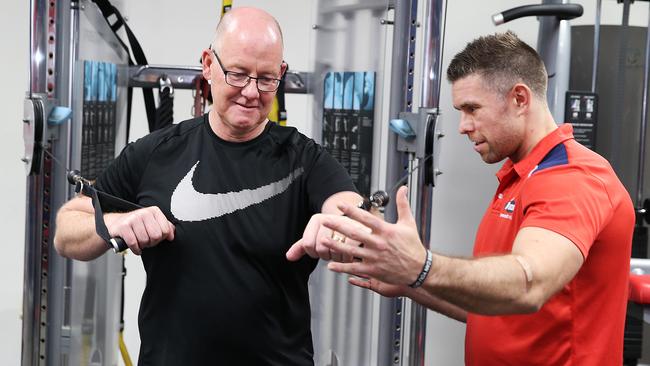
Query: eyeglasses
240 80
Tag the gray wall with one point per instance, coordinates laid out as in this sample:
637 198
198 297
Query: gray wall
175 33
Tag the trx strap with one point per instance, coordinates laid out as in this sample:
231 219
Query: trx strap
165 110
278 112
226 5
201 94
279 96
107 11
125 353
123 350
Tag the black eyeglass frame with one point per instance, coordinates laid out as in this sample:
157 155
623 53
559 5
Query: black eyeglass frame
248 80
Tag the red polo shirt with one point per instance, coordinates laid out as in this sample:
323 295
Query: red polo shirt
566 188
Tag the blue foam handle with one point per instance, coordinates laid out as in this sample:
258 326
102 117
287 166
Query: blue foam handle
402 128
58 115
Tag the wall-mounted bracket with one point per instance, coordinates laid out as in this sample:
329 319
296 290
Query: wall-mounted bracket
37 114
425 144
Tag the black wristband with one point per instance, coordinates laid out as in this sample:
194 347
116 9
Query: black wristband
425 271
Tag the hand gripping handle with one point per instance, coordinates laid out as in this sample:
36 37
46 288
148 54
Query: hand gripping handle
118 244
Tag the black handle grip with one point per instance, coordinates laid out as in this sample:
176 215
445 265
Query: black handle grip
378 199
118 244
562 11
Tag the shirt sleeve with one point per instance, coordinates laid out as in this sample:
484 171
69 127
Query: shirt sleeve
325 176
568 201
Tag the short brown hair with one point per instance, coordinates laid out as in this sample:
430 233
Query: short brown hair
502 60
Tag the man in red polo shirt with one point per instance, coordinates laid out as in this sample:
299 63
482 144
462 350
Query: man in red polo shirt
548 281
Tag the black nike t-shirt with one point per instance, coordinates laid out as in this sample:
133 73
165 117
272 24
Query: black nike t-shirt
223 293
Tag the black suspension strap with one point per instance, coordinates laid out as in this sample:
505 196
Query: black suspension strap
109 10
282 110
165 110
106 200
101 201
201 94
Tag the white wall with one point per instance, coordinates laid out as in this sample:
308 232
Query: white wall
14 40
175 34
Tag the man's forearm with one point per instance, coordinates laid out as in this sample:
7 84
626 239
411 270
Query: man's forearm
490 285
330 206
432 302
75 236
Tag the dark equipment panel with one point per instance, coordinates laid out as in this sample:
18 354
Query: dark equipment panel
581 111
620 91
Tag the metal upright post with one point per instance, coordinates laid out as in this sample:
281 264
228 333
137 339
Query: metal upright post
617 113
644 122
594 71
51 68
401 89
430 98
432 67
60 342
554 45
401 100
37 231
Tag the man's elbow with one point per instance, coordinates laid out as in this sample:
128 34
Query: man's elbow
69 238
529 307
530 302
61 247
68 249
60 242
515 306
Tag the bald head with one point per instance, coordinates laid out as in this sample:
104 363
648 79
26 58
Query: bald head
241 22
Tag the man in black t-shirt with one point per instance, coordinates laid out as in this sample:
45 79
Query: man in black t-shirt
226 194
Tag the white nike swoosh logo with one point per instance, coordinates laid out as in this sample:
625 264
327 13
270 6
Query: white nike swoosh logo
189 205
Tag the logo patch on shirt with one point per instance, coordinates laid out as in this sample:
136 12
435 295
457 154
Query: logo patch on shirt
189 205
509 209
